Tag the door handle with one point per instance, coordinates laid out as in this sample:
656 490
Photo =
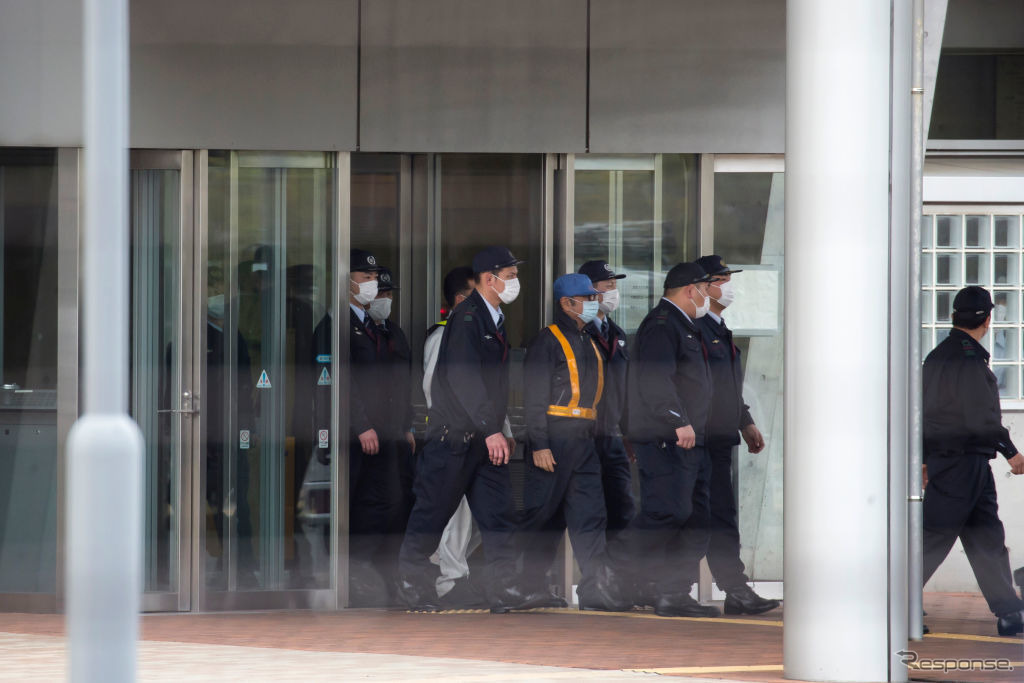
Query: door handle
189 406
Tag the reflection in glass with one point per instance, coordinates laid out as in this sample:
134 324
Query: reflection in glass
28 371
947 269
1005 266
943 305
976 269
1004 343
976 231
947 231
269 279
156 387
1007 231
1006 306
1008 379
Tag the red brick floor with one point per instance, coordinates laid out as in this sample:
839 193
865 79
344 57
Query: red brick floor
961 628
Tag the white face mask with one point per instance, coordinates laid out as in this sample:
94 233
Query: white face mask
589 312
511 291
367 291
380 309
703 309
728 294
609 300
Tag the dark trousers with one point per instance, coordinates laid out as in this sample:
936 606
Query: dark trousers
617 482
960 502
572 497
666 540
724 541
375 499
446 471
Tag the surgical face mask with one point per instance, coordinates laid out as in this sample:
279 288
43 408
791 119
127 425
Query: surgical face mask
380 309
703 309
511 291
728 294
609 300
215 306
367 291
590 309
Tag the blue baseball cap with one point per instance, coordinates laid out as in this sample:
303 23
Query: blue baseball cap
573 284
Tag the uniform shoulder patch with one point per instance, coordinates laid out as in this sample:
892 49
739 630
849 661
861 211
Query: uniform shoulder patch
968 348
467 318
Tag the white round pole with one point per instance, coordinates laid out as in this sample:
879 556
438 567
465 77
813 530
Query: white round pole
104 458
836 340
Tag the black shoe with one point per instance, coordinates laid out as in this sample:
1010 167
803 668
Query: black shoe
743 600
682 605
605 592
464 594
418 599
514 598
1010 624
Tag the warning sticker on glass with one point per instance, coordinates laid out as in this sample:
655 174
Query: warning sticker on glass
243 439
264 382
324 441
325 379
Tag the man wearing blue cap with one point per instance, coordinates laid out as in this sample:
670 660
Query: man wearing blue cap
669 392
466 452
564 381
730 418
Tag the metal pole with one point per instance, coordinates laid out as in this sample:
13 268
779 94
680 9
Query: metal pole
915 564
104 470
836 504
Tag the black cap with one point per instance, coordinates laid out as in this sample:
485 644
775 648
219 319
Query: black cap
972 299
683 274
385 280
598 271
360 260
493 258
715 265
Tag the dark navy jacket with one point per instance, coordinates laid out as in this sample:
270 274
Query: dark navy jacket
547 382
961 401
616 361
398 377
729 413
669 382
469 392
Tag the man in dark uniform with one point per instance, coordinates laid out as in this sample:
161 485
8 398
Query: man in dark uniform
730 417
372 476
564 384
669 392
611 448
963 430
466 453
397 441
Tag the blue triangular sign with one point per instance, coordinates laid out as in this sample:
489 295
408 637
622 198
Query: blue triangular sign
264 382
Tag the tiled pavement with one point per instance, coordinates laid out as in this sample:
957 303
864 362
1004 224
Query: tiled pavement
476 646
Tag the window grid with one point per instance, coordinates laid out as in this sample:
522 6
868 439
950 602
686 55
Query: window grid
963 246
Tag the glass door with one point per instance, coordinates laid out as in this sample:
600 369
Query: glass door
266 467
162 396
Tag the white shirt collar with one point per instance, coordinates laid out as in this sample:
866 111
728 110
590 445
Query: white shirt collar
495 311
360 311
714 316
677 308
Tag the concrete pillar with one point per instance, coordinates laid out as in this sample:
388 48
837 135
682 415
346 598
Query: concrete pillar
837 340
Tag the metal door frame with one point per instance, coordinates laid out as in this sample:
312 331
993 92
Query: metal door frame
187 404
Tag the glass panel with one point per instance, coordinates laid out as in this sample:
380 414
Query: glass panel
927 277
1006 306
156 387
1007 231
976 269
749 214
1006 268
941 333
28 371
927 236
977 232
380 386
926 307
926 341
947 269
1007 379
943 305
1004 343
948 231
269 279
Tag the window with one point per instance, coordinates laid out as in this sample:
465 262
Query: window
963 246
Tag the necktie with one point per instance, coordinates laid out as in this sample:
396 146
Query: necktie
501 336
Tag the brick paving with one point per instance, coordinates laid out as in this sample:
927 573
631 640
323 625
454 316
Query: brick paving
395 645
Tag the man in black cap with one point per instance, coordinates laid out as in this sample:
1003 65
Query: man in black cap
372 476
611 448
669 392
963 430
466 452
730 417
